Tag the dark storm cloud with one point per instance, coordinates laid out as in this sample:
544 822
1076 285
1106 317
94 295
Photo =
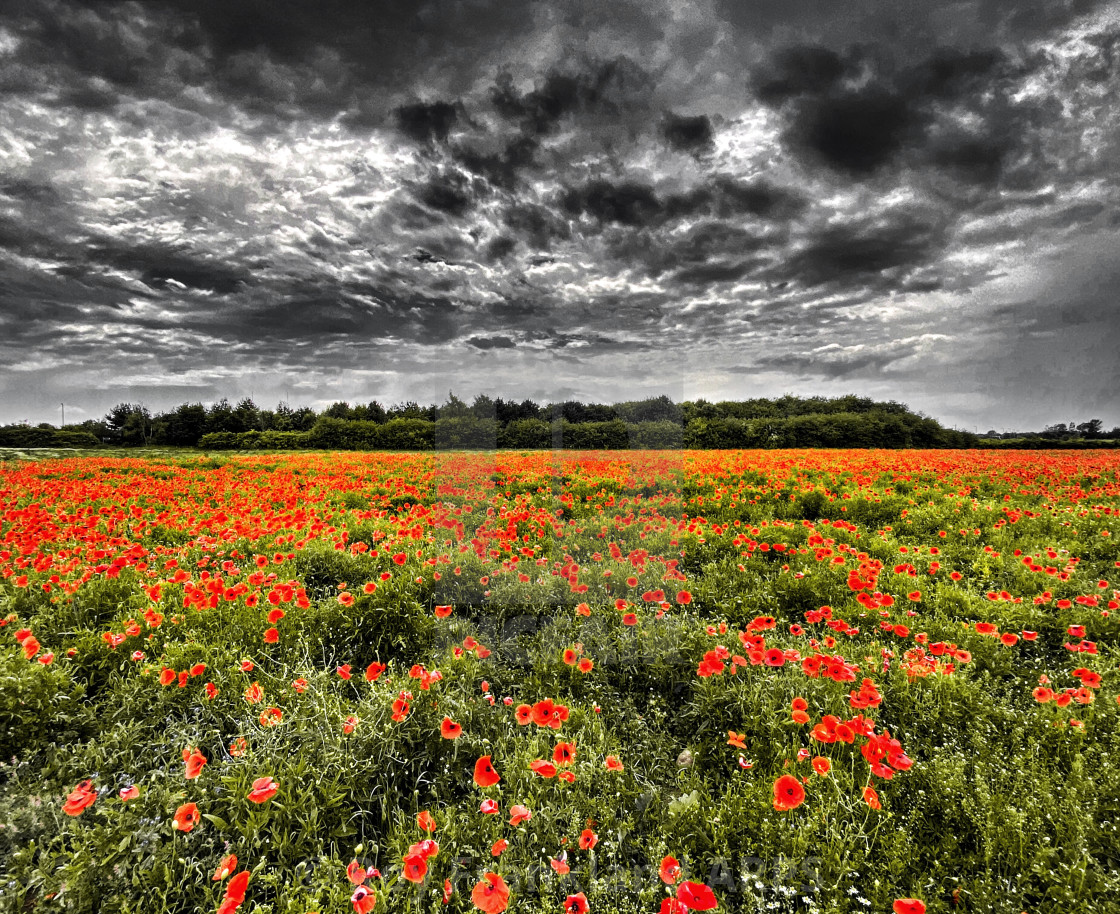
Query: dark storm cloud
204 185
688 134
491 342
159 266
426 123
873 251
861 110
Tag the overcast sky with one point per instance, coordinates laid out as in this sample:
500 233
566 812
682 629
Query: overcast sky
341 199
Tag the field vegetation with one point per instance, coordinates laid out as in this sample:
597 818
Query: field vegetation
541 681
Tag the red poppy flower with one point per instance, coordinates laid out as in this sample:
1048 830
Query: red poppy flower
484 773
524 714
564 753
909 906
586 665
871 798
543 768
271 636
448 729
821 765
788 792
560 864
613 764
350 723
587 839
374 670
738 740
442 612
227 866
263 789
498 846
194 761
490 895
576 904
129 793
356 873
696 896
235 893
670 870
426 821
80 798
568 776
166 677
300 685
400 558
519 814
185 818
570 657
415 867
774 657
343 671
488 807
683 597
363 900
254 694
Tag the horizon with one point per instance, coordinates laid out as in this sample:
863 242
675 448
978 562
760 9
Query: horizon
711 200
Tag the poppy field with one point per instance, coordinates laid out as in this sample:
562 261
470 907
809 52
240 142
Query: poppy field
641 681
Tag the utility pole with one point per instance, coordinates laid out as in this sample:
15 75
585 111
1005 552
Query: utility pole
63 405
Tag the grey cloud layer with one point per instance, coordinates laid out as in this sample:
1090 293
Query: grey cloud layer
220 190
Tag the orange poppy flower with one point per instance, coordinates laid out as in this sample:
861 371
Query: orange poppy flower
185 818
227 866
80 798
194 761
491 895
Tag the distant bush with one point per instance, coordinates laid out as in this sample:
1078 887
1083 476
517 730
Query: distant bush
26 436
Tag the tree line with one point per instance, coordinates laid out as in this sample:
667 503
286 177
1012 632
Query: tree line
494 422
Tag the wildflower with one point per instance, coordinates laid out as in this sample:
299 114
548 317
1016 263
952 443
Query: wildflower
129 793
263 790
448 729
560 864
363 900
415 868
227 866
185 818
908 906
564 753
426 821
271 636
670 870
300 685
80 798
871 798
194 761
613 764
374 670
788 793
498 846
576 904
343 671
254 694
235 893
587 840
484 773
543 768
490 895
821 765
519 814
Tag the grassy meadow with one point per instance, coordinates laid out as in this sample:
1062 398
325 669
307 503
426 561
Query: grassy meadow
776 681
